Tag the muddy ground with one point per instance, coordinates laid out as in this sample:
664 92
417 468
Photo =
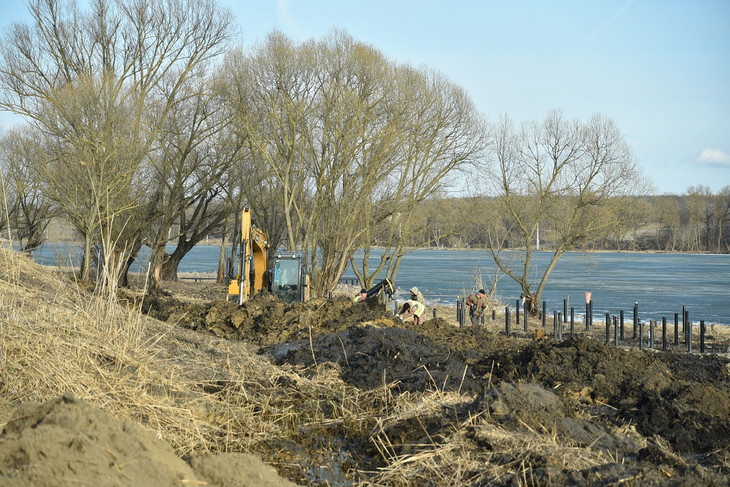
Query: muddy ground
663 417
367 400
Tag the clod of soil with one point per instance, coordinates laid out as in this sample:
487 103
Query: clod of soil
66 441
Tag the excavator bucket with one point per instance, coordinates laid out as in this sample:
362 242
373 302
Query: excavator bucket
385 285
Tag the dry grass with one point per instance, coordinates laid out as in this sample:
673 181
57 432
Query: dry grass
201 393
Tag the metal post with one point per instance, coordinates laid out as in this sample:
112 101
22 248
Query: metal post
702 336
586 319
559 326
506 320
664 332
572 322
636 317
651 333
590 308
621 318
641 335
615 331
524 312
517 312
608 328
676 329
555 324
689 337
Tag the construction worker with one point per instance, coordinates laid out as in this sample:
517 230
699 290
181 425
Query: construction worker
361 296
414 309
417 296
477 304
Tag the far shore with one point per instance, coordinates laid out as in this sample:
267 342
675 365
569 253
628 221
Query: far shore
216 242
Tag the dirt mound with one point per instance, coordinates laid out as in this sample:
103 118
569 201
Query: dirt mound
67 441
264 319
683 398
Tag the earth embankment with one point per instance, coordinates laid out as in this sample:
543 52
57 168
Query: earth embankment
333 392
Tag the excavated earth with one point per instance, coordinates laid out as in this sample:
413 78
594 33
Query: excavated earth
446 405
664 416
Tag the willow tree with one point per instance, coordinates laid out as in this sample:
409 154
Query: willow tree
441 139
314 117
353 141
26 207
553 180
186 174
100 84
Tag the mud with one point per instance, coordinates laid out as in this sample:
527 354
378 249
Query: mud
663 416
66 441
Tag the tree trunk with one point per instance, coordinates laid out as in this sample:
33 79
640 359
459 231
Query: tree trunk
221 277
131 257
86 262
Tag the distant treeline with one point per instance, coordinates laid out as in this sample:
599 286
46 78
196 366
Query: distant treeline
697 221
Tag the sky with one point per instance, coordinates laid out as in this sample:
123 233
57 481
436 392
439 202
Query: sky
659 68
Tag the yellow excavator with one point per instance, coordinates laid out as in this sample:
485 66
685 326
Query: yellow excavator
288 279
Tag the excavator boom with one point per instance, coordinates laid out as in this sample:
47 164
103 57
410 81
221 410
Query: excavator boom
288 279
253 252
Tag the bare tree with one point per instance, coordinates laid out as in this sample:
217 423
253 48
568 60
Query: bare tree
100 84
441 136
272 91
354 143
557 175
722 216
632 218
186 172
313 118
28 210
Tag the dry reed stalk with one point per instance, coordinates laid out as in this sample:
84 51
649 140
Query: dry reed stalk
57 339
456 461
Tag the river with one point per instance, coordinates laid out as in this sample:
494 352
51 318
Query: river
661 283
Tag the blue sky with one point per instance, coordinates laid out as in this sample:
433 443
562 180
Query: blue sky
659 68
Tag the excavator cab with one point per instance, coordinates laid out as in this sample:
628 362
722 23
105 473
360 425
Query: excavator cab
290 279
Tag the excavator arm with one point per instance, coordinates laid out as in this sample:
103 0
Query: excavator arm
253 252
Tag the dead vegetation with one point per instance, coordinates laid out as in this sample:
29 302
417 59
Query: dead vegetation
332 394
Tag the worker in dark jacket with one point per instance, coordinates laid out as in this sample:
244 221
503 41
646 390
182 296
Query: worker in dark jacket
477 304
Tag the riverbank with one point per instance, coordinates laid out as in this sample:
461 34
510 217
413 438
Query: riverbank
177 387
661 284
716 338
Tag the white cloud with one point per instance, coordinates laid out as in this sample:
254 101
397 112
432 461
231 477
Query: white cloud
714 157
